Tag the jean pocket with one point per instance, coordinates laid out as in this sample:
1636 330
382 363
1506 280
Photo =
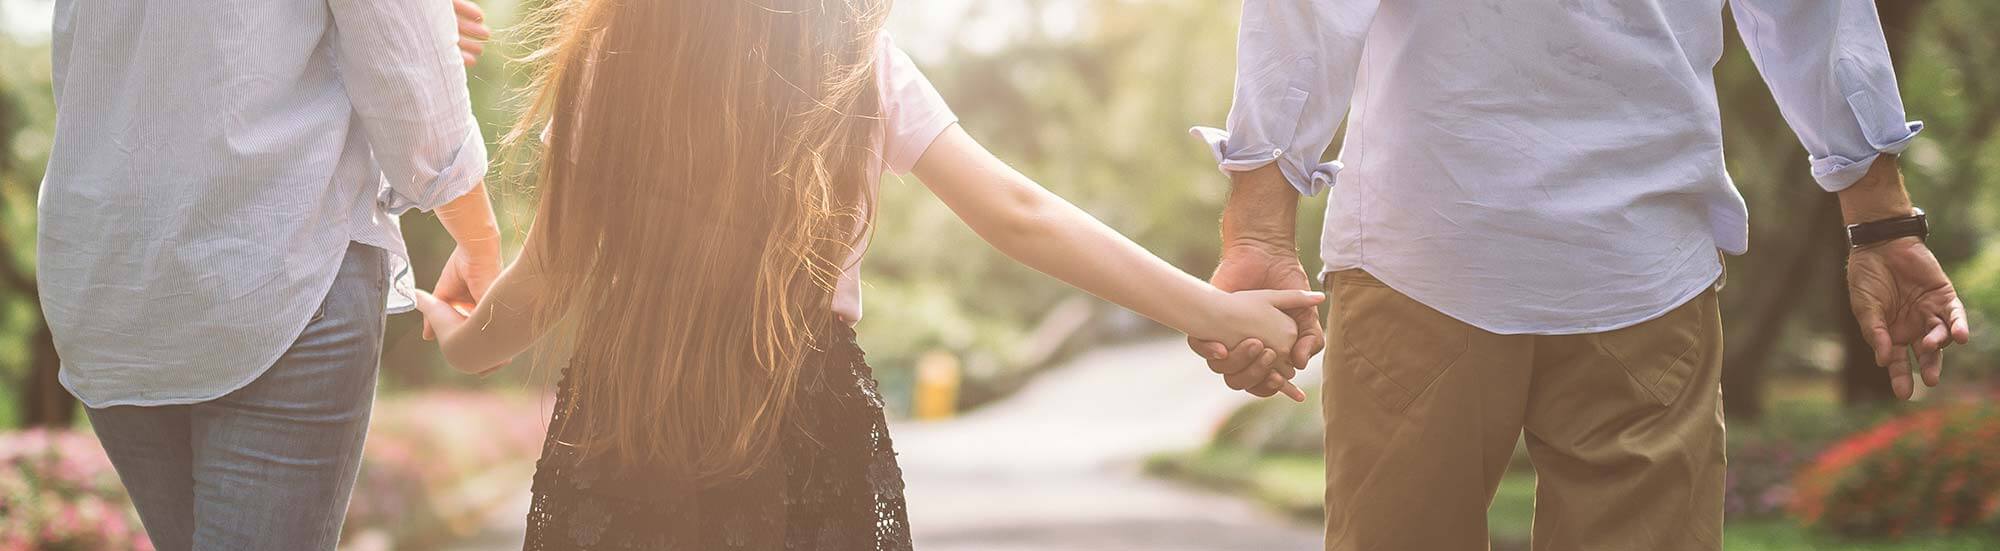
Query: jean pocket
1399 346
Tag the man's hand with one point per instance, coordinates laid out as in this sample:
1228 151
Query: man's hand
1258 253
472 31
475 264
464 282
1900 295
1251 367
1905 303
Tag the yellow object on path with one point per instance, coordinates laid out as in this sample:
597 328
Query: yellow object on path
938 377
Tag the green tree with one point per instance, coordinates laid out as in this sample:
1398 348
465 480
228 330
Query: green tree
27 120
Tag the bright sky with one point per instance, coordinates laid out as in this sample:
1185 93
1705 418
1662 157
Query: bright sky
26 20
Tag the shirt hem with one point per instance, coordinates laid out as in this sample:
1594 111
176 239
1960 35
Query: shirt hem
1681 299
63 374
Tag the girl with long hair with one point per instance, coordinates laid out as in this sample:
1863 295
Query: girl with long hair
708 172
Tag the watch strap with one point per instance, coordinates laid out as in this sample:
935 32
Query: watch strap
1869 233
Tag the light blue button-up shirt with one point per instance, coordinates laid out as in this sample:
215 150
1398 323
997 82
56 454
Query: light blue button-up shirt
1544 166
212 161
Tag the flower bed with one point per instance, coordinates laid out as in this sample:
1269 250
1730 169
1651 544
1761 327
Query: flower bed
58 491
1765 458
1934 470
423 452
434 465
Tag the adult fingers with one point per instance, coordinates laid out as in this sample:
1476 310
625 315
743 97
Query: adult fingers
437 313
1930 354
473 29
1240 358
1877 335
469 11
1961 330
1255 374
1269 386
1208 350
471 47
1899 372
1312 338
450 289
1305 348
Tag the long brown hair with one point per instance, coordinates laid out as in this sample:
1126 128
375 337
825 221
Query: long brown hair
701 186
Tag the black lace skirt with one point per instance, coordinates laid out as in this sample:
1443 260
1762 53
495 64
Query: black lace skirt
835 487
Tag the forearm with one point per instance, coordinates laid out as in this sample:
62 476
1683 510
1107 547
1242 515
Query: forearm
1061 240
1262 212
470 221
505 324
1878 195
1044 232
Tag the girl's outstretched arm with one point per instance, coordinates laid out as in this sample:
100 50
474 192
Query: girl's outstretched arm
505 323
1045 232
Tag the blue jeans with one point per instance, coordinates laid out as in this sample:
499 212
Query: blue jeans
268 466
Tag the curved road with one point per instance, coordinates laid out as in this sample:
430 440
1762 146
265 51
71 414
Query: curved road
1056 466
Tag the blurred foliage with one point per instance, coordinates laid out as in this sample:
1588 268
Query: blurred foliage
1765 458
437 465
1929 471
1097 108
435 469
59 491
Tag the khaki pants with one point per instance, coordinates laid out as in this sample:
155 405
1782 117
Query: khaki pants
1423 412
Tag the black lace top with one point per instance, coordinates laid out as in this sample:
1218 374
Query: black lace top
839 488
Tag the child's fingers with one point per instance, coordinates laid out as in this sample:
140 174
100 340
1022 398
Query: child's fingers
438 315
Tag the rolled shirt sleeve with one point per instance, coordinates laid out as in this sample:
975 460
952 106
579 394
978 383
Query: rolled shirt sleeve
1827 64
400 64
1295 70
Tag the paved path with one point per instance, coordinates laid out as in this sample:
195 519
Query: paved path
1056 466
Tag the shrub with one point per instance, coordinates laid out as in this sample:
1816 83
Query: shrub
1274 426
1932 470
58 491
425 449
1766 457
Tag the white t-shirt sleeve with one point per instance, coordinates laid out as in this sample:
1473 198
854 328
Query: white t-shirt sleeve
914 115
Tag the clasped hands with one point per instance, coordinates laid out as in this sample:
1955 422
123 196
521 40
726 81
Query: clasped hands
1250 365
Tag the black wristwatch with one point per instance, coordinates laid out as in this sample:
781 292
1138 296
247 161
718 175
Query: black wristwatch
1869 233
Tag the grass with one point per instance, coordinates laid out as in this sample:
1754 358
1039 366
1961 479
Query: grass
1293 485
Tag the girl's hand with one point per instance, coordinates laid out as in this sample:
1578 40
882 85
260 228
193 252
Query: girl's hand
448 321
1260 315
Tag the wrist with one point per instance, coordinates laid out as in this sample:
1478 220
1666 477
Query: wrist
470 219
1897 243
1209 315
1258 247
1878 195
480 244
1262 212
